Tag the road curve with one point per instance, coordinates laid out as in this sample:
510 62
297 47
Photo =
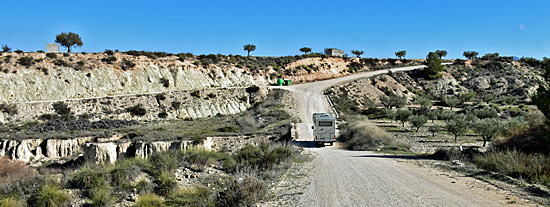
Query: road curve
363 178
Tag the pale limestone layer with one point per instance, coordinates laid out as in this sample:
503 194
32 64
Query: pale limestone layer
67 83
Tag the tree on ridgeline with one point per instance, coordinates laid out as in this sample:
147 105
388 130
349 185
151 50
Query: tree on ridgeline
401 54
357 53
470 54
441 53
305 50
249 48
68 40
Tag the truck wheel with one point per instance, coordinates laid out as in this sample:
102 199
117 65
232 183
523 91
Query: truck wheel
330 143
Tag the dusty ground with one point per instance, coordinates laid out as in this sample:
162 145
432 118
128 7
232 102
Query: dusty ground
362 178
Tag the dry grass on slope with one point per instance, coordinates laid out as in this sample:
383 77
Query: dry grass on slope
360 134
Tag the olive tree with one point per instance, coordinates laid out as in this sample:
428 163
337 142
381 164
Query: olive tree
488 128
441 53
418 121
305 50
451 101
401 54
470 54
434 129
457 125
357 53
249 48
68 40
393 100
403 115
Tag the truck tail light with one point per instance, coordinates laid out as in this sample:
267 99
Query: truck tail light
315 137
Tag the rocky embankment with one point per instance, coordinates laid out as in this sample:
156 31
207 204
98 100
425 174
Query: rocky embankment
92 149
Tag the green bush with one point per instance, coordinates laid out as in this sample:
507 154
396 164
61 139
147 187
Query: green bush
101 196
51 55
263 156
197 196
137 110
150 200
62 109
12 201
166 182
202 157
9 109
534 168
418 121
243 191
123 173
89 176
25 61
165 161
49 195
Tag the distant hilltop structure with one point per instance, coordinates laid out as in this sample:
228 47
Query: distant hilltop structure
52 48
334 52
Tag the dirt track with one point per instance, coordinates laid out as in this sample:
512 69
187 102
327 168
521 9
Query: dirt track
362 178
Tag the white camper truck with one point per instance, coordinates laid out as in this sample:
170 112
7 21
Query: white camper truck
324 128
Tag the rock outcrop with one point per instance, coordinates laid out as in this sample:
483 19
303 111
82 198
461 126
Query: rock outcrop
106 150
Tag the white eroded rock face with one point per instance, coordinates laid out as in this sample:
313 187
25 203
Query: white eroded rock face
39 150
67 83
174 105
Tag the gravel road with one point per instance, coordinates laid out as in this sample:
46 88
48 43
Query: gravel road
362 178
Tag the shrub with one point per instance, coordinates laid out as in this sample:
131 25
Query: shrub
534 168
88 176
163 115
109 52
51 55
165 161
60 62
263 156
252 89
166 182
137 110
12 201
18 51
62 109
243 191
101 196
393 100
149 200
13 170
228 128
360 134
124 172
25 61
109 59
165 82
49 195
446 154
9 109
127 64
197 196
202 157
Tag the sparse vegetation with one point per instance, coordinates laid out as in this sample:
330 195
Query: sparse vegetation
137 110
359 134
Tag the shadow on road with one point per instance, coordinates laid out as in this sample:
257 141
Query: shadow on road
308 144
409 157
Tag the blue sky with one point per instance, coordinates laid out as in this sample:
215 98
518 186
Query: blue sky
278 28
